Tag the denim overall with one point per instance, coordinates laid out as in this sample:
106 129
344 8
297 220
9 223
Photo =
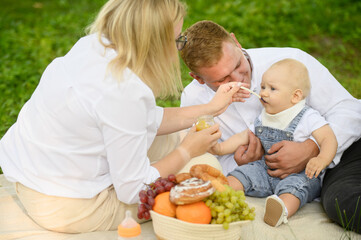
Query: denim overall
258 183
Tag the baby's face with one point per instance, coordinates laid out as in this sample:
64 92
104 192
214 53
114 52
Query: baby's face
276 90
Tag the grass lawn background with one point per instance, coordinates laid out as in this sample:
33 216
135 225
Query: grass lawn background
33 33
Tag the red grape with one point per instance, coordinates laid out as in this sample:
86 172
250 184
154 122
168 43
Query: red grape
163 181
142 193
142 208
140 215
158 183
168 186
159 190
153 189
146 215
151 193
151 201
172 178
144 199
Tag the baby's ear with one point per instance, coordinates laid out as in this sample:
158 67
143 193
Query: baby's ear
297 96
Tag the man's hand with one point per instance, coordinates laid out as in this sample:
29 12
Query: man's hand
251 152
289 157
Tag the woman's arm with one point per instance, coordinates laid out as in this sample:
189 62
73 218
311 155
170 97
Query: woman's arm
179 118
193 145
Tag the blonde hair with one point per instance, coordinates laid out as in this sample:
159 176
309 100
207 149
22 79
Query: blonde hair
204 45
298 74
142 34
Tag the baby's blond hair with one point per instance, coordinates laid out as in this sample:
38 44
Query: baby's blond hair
297 72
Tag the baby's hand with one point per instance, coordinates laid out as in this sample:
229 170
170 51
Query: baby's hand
314 167
216 149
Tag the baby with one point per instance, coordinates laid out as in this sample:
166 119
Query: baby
284 87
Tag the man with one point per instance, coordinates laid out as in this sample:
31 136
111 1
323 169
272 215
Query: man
215 57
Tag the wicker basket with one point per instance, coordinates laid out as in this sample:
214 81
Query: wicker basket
167 228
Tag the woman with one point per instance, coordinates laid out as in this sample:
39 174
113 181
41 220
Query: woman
78 151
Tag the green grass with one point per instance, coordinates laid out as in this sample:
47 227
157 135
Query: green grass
33 33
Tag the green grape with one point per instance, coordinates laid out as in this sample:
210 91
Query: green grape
227 212
224 194
245 212
226 225
219 208
229 206
209 202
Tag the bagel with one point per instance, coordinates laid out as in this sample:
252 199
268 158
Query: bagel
209 173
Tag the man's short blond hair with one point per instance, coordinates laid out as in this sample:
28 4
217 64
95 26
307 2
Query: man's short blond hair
204 45
298 73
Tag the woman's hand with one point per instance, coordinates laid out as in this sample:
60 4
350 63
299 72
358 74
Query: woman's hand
225 95
216 149
198 143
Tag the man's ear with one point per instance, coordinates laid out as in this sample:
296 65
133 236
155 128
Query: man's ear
236 41
297 96
198 78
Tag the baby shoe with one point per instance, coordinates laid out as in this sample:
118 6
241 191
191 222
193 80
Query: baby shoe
275 211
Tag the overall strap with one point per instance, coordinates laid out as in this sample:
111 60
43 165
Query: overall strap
292 126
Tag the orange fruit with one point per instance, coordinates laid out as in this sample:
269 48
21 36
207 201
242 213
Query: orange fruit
194 213
163 205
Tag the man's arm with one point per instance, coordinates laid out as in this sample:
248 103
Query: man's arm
288 157
335 104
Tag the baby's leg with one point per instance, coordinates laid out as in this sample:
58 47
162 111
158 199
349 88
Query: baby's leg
251 178
292 193
279 208
235 183
291 202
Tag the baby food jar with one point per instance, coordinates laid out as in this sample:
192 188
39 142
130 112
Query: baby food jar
204 122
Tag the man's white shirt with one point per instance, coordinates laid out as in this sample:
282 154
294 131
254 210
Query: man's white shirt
327 96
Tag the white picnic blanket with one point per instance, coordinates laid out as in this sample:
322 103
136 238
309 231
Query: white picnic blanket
308 223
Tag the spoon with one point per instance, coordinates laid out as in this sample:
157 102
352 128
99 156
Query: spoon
249 90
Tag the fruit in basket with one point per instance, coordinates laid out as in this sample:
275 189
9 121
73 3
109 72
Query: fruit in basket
194 213
164 206
147 197
229 206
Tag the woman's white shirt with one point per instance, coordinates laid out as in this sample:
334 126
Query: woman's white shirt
82 130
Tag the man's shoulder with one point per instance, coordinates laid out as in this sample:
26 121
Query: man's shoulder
194 93
274 52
